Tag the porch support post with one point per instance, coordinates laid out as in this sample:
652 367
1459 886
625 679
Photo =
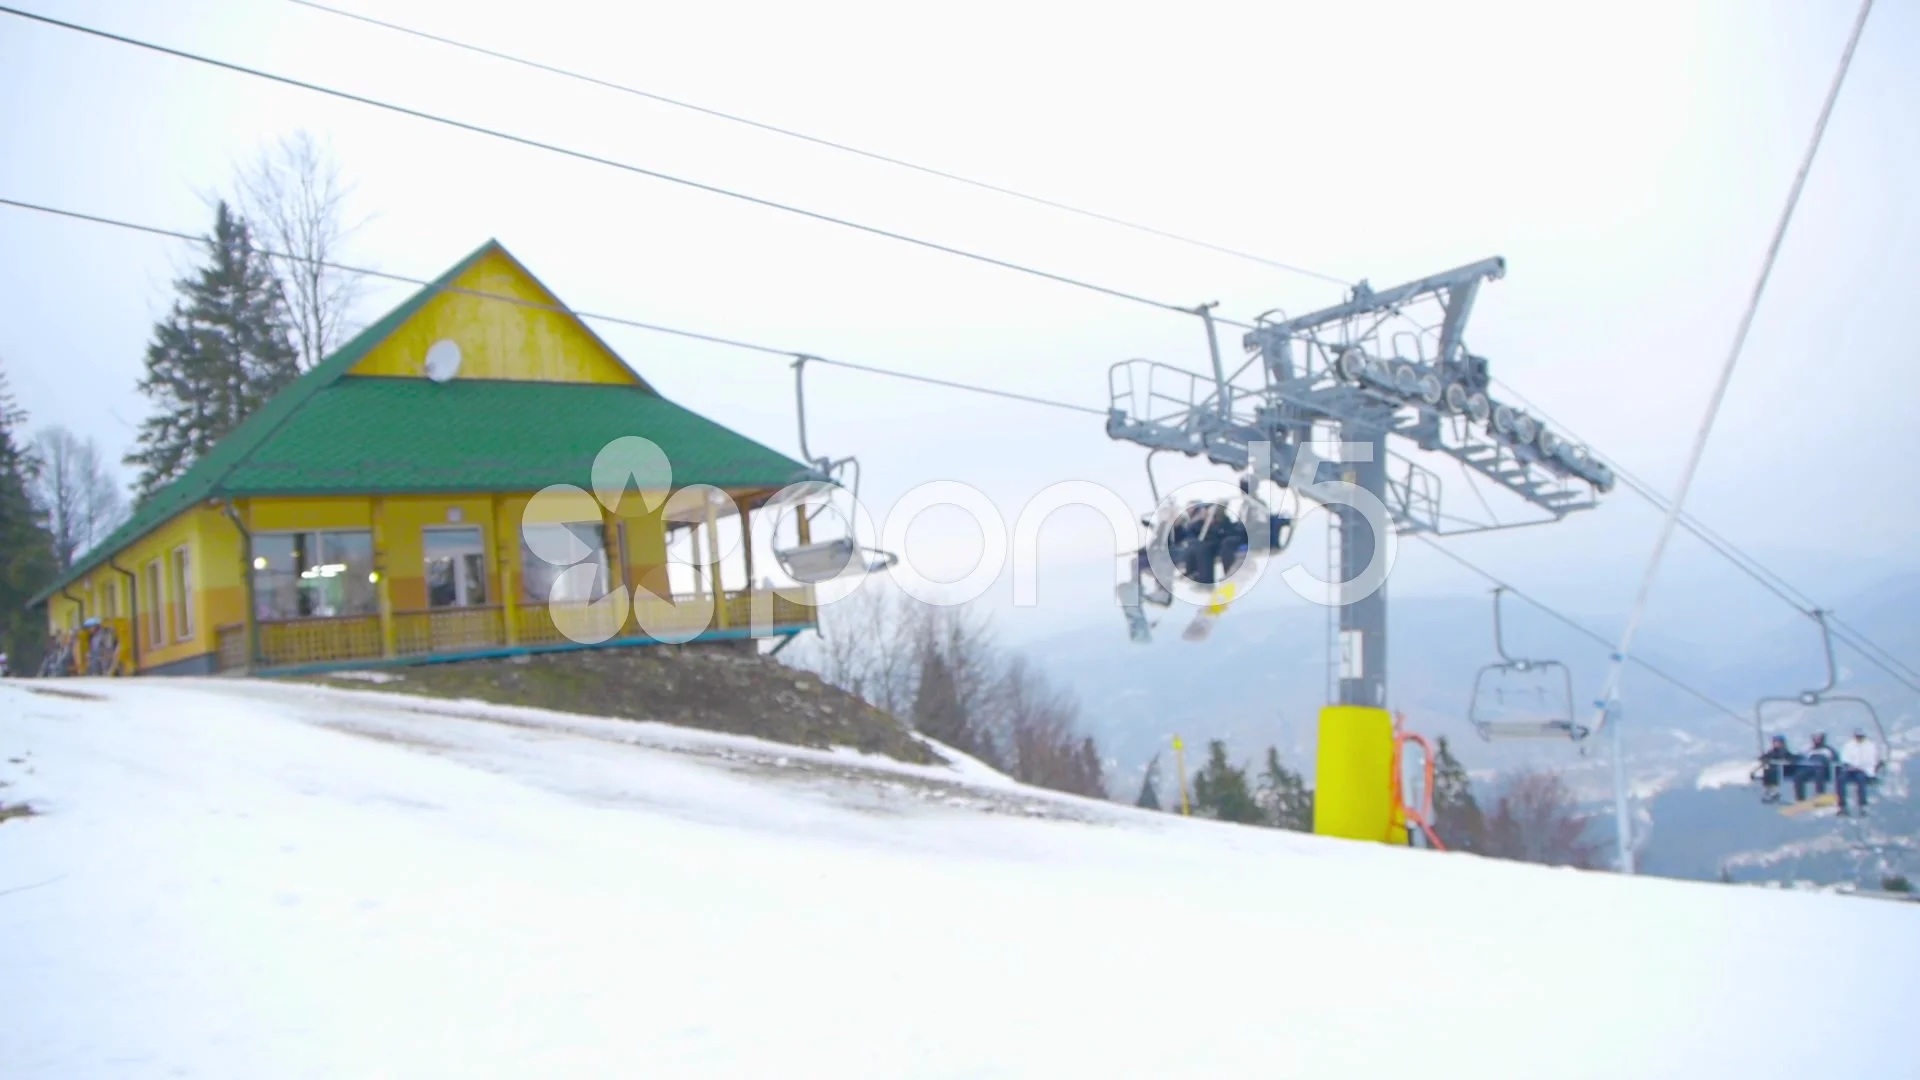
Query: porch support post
746 542
506 548
612 539
381 591
713 560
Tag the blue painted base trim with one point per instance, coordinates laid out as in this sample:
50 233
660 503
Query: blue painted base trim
204 664
787 632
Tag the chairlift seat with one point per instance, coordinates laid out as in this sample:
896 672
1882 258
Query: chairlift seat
812 564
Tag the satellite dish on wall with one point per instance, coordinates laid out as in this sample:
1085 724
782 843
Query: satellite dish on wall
443 360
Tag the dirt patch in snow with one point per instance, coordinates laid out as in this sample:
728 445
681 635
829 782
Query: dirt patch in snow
14 810
706 687
77 695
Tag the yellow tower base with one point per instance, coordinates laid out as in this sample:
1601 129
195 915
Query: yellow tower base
1353 793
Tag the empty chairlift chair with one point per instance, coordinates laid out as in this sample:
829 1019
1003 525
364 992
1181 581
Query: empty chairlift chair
814 562
1520 698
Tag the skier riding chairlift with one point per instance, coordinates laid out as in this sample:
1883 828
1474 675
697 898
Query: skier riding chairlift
1822 763
1860 765
1206 543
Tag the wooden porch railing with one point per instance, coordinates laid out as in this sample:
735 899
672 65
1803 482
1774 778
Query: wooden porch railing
350 638
448 630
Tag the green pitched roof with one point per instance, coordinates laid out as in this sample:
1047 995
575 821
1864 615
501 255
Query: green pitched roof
328 433
391 436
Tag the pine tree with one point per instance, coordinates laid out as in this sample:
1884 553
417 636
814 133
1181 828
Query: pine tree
1150 786
940 713
1457 817
1092 771
222 351
936 702
1220 789
26 549
1284 796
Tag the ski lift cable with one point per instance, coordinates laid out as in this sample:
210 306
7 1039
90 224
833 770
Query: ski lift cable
1595 635
596 159
616 320
1868 648
1610 691
1767 578
785 354
886 159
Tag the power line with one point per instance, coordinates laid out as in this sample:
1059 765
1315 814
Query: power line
680 103
1611 691
581 155
1767 578
737 343
615 320
1595 635
1872 651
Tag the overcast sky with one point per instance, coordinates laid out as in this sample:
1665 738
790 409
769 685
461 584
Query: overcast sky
1627 159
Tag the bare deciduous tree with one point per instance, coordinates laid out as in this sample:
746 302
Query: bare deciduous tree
866 648
1043 745
1536 820
295 199
75 492
939 669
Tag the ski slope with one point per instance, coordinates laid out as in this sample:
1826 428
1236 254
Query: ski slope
245 879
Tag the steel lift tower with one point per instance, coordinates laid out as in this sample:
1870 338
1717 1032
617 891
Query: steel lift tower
1387 370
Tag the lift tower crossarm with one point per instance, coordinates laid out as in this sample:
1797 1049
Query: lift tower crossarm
1379 367
1365 300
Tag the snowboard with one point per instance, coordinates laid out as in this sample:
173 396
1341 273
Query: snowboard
1818 802
1203 620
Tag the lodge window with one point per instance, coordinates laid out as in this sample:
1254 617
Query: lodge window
582 580
313 574
456 567
182 594
110 600
156 604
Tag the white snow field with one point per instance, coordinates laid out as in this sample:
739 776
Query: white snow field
254 880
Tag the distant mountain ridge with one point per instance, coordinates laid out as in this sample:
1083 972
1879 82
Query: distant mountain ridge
1263 677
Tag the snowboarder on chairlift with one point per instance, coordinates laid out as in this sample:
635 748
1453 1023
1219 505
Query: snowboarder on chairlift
1820 764
1778 761
1860 765
1278 525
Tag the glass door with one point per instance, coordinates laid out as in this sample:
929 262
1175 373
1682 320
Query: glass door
456 565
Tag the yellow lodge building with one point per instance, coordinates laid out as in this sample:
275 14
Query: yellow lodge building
380 508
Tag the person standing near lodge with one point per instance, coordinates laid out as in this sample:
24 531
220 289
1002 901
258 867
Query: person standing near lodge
1859 765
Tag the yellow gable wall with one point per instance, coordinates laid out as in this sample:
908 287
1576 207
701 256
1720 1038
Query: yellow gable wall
213 598
498 339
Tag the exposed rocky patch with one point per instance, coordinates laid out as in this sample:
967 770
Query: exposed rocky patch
707 687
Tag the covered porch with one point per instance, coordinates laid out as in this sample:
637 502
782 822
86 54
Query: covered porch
433 579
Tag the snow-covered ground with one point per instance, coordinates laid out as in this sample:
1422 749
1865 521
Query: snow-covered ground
235 879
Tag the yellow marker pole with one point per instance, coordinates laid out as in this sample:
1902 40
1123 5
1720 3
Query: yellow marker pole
1180 765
